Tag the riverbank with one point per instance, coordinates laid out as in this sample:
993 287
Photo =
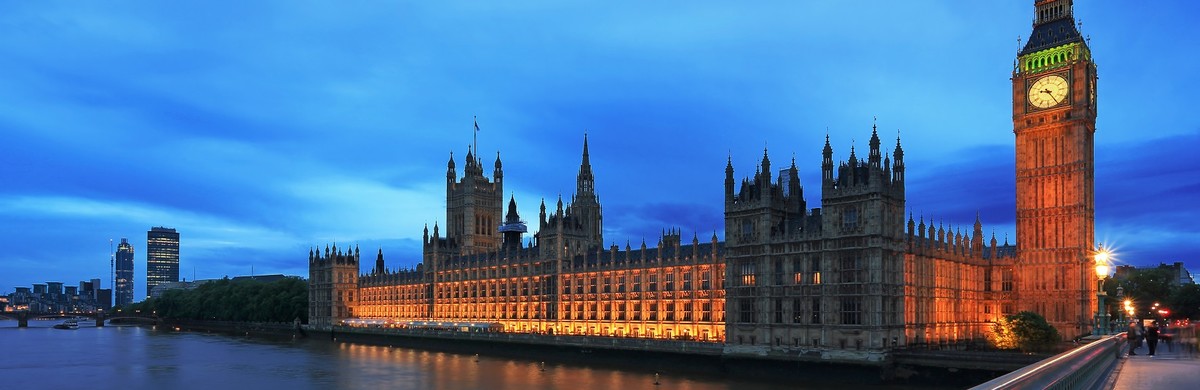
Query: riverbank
644 355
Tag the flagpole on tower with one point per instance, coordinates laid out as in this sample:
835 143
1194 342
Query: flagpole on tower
475 135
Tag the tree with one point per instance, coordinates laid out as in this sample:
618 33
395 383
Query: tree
1027 331
247 300
1185 303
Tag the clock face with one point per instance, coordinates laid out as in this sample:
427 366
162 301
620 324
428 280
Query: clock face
1048 91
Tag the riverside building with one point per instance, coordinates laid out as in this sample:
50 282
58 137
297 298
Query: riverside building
858 275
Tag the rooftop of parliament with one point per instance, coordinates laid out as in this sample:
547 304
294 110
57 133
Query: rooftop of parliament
857 276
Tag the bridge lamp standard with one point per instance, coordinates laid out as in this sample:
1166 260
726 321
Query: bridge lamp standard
1102 268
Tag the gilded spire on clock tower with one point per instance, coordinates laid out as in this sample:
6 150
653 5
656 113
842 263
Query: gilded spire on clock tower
1054 120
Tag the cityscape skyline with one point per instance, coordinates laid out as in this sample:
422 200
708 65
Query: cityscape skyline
257 186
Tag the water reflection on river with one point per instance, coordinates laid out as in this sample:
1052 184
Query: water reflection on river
142 358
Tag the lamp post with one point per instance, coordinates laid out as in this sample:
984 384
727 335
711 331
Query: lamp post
1102 268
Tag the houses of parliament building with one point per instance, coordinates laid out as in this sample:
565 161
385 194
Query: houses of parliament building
858 273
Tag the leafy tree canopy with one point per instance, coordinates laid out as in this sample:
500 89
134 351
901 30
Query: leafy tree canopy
227 300
1027 331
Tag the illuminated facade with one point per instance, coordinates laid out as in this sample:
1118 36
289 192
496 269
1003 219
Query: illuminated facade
124 273
1054 120
565 283
858 275
162 257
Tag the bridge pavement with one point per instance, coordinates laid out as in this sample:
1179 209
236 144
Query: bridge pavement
1169 368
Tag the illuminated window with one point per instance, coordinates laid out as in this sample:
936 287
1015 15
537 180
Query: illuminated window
748 273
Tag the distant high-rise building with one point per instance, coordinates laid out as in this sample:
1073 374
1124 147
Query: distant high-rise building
124 282
104 298
162 257
95 284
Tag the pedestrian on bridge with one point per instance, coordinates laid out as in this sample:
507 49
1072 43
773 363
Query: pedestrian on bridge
1152 337
1132 336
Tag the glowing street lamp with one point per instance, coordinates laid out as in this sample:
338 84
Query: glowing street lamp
1102 269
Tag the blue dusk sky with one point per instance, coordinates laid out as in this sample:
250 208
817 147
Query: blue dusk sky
262 129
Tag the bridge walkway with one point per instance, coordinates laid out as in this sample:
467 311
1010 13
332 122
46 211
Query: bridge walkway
1170 368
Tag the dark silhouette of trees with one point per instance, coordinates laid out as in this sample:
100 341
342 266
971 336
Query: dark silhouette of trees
228 300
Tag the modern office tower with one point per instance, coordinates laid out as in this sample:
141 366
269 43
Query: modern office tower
162 257
124 282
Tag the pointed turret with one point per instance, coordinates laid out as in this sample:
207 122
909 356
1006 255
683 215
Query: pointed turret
977 238
586 182
873 158
513 227
542 214
766 168
450 174
498 173
827 162
729 179
379 263
898 161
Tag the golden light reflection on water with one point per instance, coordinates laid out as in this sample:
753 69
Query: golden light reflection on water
440 370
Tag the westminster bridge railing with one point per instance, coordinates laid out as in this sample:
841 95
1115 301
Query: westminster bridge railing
1086 367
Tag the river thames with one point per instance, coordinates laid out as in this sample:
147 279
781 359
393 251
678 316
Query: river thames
134 357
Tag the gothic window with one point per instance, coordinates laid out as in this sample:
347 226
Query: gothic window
852 270
816 269
797 310
851 310
748 273
746 310
621 283
669 281
778 310
704 282
850 218
637 283
653 283
778 279
687 281
816 311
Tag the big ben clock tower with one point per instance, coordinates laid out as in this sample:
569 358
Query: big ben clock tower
1054 119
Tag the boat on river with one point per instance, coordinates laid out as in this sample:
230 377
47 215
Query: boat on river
68 324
